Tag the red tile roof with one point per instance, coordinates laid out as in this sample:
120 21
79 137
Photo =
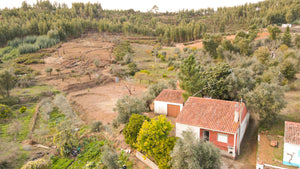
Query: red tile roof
210 114
168 95
292 133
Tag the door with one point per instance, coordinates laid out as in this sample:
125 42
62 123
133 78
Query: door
173 110
206 135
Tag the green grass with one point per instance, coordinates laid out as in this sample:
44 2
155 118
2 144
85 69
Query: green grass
60 163
33 90
91 153
24 119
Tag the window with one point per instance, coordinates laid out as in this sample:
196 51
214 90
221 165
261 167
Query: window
222 138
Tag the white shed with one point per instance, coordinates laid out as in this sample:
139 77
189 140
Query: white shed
169 102
291 152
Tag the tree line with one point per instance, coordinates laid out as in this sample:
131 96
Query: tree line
181 26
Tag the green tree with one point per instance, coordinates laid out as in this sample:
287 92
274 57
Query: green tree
266 100
287 38
214 79
191 153
49 70
210 44
189 77
154 140
126 106
7 82
288 69
262 54
274 31
133 127
132 68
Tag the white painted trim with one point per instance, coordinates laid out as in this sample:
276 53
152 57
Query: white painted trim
223 138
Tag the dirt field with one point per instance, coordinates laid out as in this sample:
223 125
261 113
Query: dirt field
97 103
90 88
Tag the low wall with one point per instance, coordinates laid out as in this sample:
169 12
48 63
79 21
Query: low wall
148 162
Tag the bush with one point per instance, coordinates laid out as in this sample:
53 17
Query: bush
14 53
5 112
45 42
5 50
30 39
126 106
132 68
171 68
14 43
109 158
145 71
96 126
53 34
132 128
37 164
28 48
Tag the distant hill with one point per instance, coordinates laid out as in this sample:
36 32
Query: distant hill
181 26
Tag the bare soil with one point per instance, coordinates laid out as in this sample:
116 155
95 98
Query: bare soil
90 87
97 104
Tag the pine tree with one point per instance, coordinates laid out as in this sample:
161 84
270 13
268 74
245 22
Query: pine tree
287 38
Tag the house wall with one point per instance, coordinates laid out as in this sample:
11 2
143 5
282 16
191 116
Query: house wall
294 150
213 138
244 125
183 127
162 107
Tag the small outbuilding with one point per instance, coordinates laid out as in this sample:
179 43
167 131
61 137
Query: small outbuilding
291 152
169 102
220 122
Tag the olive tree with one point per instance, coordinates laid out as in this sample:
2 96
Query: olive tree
192 153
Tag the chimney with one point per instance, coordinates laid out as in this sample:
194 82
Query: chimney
236 113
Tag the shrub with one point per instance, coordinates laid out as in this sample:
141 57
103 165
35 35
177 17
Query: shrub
14 43
22 109
5 50
30 39
5 112
126 106
171 68
39 163
28 48
96 126
145 71
132 128
132 68
49 70
45 42
14 53
53 34
164 76
109 158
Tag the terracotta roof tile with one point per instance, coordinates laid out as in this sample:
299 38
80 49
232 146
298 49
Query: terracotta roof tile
292 133
209 113
168 95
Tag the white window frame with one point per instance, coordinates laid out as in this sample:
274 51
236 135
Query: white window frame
223 138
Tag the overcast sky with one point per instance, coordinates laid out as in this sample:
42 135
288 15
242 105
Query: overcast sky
142 5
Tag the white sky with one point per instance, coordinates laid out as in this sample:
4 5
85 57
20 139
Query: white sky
142 5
